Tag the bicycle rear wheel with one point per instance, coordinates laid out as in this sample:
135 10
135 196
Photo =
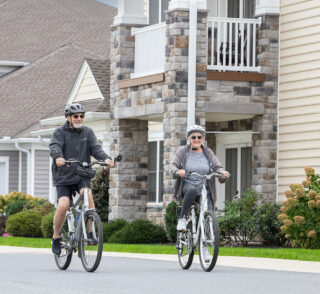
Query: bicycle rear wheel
209 241
64 259
185 247
91 249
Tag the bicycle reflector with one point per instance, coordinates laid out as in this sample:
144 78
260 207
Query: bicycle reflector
85 172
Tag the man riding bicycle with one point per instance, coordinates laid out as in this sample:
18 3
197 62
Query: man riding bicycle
71 141
194 157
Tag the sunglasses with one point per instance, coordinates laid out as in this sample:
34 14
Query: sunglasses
77 116
196 137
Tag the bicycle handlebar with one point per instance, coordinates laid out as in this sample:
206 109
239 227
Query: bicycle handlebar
101 163
207 177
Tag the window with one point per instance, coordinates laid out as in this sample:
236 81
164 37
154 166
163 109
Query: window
155 171
239 164
156 11
240 8
4 175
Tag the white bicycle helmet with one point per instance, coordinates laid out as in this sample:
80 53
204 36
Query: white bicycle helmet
195 129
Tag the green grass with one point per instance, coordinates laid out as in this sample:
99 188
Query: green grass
283 253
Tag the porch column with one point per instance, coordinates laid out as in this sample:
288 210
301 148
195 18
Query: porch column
175 91
130 12
264 145
271 7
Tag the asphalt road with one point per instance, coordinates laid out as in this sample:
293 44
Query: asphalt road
37 273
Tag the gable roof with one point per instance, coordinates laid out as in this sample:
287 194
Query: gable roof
41 88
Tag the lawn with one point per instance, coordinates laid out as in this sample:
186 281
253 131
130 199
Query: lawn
284 253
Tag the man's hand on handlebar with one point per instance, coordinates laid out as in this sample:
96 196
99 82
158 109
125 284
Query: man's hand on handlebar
60 161
109 162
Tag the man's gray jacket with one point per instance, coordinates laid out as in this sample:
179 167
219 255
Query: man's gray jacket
179 163
76 144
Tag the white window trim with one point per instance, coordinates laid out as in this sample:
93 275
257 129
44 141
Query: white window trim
5 160
224 141
156 137
159 12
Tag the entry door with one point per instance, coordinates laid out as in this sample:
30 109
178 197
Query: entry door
4 175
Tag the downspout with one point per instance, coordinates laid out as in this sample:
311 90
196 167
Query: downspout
192 53
28 165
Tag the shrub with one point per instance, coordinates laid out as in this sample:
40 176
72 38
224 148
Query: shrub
43 206
25 223
113 226
140 231
15 206
300 213
171 221
47 225
100 187
269 224
3 220
239 224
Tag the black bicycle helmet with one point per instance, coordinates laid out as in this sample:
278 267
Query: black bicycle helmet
74 108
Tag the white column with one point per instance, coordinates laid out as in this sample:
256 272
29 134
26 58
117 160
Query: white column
130 12
184 4
267 7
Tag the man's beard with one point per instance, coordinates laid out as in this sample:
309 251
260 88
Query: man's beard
77 126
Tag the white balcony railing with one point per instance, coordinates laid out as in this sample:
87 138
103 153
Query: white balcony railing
232 44
150 45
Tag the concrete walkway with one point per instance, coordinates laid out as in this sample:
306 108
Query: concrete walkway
242 262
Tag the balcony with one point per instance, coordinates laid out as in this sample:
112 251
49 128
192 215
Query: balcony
150 45
232 44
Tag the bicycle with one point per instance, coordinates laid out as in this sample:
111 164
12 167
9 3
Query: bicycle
205 234
85 230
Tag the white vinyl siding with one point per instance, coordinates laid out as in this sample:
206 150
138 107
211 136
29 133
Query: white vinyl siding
41 174
88 89
299 91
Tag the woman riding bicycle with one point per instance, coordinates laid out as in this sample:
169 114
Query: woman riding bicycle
194 157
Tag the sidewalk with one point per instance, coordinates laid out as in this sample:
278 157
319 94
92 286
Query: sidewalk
242 262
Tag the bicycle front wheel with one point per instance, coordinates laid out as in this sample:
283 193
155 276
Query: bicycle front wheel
91 243
185 247
209 241
64 259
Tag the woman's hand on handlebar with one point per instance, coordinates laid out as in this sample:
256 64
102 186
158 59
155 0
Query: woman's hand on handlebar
109 162
225 175
181 173
60 161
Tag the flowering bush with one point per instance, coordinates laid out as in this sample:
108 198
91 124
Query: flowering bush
300 213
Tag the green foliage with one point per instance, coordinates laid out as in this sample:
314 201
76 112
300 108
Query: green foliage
43 206
269 225
239 223
301 212
25 223
15 206
171 220
100 187
140 231
113 226
47 225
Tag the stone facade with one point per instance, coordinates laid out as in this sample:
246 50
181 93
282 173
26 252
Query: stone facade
128 193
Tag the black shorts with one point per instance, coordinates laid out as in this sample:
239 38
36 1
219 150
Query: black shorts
67 190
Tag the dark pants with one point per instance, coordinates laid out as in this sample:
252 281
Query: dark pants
190 194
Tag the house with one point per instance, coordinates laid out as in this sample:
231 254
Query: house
299 88
175 63
40 57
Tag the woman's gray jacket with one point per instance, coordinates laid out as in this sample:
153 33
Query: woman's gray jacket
179 163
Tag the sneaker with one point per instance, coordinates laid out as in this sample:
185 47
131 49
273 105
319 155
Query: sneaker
56 246
182 224
90 239
206 254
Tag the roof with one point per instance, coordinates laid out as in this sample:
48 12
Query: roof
55 39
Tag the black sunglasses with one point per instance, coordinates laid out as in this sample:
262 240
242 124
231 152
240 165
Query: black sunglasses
196 137
76 116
